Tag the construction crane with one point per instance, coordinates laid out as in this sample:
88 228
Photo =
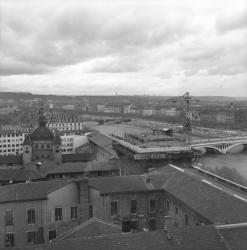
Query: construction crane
185 100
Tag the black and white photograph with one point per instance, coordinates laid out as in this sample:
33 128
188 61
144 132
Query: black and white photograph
123 124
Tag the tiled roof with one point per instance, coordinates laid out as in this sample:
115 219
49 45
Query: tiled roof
214 204
195 238
18 175
76 157
91 228
119 184
29 191
11 159
236 237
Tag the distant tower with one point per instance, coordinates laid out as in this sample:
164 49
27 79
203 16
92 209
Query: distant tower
42 119
27 150
187 119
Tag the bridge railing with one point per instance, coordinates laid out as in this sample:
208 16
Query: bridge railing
239 138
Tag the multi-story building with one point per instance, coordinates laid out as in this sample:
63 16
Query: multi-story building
64 122
130 201
34 213
192 200
11 142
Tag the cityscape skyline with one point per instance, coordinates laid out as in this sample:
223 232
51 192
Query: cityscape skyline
132 48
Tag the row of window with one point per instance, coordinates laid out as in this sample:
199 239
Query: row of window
32 238
10 145
31 215
133 206
42 146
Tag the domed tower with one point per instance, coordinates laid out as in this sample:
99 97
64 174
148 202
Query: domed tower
42 139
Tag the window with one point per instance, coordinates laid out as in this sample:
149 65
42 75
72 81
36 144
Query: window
133 206
9 240
73 213
52 235
58 213
31 216
114 208
90 211
42 146
152 224
167 205
36 146
9 217
48 145
31 238
176 210
186 219
152 204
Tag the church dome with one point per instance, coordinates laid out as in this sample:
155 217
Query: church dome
42 133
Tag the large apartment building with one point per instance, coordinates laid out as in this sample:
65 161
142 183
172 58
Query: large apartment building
11 142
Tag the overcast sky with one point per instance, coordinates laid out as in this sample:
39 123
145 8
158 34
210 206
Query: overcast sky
142 47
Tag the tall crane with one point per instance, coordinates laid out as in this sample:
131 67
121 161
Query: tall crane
185 100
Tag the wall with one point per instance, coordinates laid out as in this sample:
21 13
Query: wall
102 207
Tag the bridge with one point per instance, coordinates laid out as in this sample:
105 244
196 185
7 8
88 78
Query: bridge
221 145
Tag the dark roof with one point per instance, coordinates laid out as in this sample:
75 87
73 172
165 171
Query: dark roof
236 237
119 184
81 167
29 191
189 238
42 133
212 203
100 139
91 228
18 175
27 141
76 157
11 160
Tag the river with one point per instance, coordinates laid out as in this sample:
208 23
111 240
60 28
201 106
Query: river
236 161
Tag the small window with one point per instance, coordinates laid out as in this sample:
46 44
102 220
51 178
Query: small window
31 238
133 206
42 146
73 213
186 219
52 235
48 145
58 213
9 217
167 205
114 208
36 146
176 210
152 204
152 224
9 240
90 211
31 216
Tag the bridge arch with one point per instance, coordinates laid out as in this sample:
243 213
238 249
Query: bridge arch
203 149
237 146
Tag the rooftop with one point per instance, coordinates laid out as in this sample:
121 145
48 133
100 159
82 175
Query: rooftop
29 191
119 184
203 238
91 228
211 201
